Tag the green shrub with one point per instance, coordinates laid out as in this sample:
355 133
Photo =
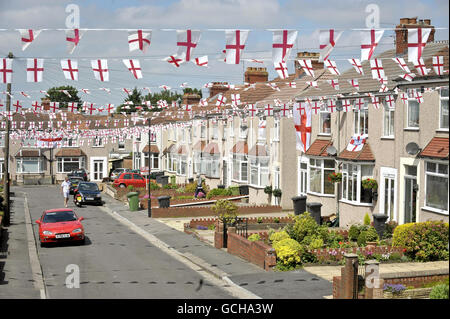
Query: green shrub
439 292
276 220
306 226
268 190
367 219
190 188
154 186
259 220
218 192
225 210
130 188
372 235
389 229
353 232
288 252
362 239
424 241
277 192
254 237
278 236
316 243
234 190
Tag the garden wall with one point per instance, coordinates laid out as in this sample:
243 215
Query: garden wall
207 211
206 222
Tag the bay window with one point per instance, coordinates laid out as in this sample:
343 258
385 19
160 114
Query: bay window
29 165
154 160
240 167
319 169
259 171
352 177
68 164
182 164
436 186
211 165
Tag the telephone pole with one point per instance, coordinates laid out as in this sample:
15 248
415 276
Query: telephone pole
6 181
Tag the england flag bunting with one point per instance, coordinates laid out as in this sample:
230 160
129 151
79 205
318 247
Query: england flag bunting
100 68
201 61
417 40
292 85
369 41
407 76
73 37
134 66
377 69
346 105
401 63
359 104
285 110
420 67
235 99
307 67
327 42
252 110
283 42
334 83
331 105
356 143
376 102
70 69
235 44
268 110
438 65
281 69
356 63
315 107
331 66
139 40
302 124
27 36
6 70
390 101
313 84
354 83
186 41
221 100
35 70
175 60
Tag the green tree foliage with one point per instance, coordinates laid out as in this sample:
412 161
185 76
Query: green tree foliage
136 98
55 94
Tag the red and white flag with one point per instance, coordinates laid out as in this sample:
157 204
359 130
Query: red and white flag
331 105
72 107
313 84
6 70
376 102
201 61
354 83
139 40
408 76
327 42
438 65
281 69
235 99
292 84
302 124
346 105
334 83
100 68
359 103
369 41
27 36
332 67
35 70
235 44
377 69
418 95
175 60
417 40
221 100
134 66
421 67
307 67
268 110
356 63
401 63
186 41
73 37
70 69
283 42
356 143
252 110
285 111
390 101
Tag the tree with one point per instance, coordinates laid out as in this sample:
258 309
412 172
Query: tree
167 95
55 94
192 91
136 98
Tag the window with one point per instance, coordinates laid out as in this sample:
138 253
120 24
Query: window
303 177
436 186
98 142
215 131
318 176
361 120
412 111
154 160
443 121
203 131
68 164
182 164
324 122
232 127
70 142
276 130
127 176
259 171
183 136
121 145
224 131
29 165
211 165
174 134
352 176
190 135
240 167
388 123
261 130
243 129
137 160
138 177
2 140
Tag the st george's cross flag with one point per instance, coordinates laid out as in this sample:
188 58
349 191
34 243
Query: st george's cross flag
356 143
417 40
70 69
73 37
186 41
134 66
235 44
27 36
369 41
302 124
139 39
283 42
100 68
327 42
35 70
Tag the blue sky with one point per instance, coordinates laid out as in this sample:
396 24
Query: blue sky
258 15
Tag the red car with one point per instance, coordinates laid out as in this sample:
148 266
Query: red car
60 224
126 179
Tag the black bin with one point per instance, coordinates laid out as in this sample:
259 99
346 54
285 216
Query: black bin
315 210
379 222
163 180
299 204
221 186
243 189
164 201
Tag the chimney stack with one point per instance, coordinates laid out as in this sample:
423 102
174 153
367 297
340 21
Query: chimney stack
401 32
254 75
313 56
191 99
218 87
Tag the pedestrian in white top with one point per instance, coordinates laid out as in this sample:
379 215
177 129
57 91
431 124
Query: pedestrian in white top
65 190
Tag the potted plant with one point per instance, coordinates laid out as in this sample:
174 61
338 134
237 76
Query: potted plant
335 177
277 192
268 191
371 186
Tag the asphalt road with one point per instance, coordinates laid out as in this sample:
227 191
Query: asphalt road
115 262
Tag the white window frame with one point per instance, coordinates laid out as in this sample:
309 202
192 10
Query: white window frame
322 181
81 160
302 176
19 165
346 179
441 98
100 143
276 130
260 170
357 120
390 118
437 174
321 113
412 99
238 160
181 168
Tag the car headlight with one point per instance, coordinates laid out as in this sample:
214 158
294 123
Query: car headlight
77 230
46 232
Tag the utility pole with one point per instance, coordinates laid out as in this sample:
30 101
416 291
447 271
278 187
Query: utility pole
6 192
149 201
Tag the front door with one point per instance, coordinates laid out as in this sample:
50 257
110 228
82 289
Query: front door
410 196
98 170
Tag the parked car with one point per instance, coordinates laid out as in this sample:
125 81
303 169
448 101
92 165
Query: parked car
116 173
79 173
127 179
87 193
74 181
62 224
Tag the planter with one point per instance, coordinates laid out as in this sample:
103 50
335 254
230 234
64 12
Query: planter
371 244
418 293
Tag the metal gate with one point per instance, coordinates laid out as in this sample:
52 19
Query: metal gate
241 225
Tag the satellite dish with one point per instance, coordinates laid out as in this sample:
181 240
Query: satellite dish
331 150
412 148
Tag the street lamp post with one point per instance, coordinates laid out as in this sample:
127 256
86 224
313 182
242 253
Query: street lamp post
149 200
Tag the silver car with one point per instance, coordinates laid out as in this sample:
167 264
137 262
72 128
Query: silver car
116 173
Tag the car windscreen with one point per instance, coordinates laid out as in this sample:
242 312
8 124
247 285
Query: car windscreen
56 217
87 187
75 180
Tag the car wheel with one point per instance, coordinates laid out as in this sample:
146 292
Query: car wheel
42 244
122 185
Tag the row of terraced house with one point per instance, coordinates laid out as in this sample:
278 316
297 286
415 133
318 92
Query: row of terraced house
260 151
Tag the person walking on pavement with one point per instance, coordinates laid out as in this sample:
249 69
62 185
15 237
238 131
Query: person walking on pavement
65 190
199 186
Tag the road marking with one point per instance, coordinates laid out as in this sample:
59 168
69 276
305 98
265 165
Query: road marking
218 280
36 268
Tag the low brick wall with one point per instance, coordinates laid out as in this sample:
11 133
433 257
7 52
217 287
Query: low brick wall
415 281
256 252
176 212
251 220
338 253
